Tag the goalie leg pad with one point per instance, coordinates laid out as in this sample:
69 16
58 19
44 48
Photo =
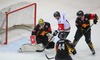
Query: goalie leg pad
30 47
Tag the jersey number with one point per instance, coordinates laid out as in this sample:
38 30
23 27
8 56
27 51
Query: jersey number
61 47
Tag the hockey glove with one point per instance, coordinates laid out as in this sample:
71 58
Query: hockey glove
95 21
55 33
74 51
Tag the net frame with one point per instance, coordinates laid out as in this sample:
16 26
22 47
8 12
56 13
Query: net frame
8 13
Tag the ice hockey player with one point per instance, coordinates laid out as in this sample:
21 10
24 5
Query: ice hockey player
83 25
41 32
62 48
63 24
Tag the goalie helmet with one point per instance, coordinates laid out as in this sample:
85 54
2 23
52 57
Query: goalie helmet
62 35
40 21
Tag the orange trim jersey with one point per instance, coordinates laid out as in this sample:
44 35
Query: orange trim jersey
38 31
62 48
84 22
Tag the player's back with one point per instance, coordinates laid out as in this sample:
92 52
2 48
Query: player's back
62 50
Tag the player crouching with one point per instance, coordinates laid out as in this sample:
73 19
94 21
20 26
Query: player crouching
63 48
40 34
42 31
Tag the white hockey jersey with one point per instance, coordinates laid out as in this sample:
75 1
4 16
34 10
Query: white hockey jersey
64 22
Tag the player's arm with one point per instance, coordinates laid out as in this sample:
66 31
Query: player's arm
69 44
67 29
67 26
34 32
71 47
94 17
78 24
49 28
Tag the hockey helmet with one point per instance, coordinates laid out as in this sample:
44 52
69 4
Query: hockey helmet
41 21
62 35
56 14
80 13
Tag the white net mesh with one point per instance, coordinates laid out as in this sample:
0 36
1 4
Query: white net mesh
20 23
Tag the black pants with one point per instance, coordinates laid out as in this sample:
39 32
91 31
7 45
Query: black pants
66 33
79 34
44 41
67 58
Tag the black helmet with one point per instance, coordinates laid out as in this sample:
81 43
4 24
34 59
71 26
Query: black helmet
62 35
80 13
56 14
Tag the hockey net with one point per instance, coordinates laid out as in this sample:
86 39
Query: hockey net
17 21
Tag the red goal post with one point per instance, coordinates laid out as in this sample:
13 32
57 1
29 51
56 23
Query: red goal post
8 13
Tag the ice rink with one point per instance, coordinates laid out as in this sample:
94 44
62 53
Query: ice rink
45 10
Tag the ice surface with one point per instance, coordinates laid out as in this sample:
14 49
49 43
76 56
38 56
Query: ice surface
45 10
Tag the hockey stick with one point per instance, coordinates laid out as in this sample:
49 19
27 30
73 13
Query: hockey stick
48 57
45 46
89 28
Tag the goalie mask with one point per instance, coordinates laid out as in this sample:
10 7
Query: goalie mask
62 35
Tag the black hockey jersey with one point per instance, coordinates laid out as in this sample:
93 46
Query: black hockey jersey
84 22
38 31
62 48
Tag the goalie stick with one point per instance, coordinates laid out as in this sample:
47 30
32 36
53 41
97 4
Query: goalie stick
45 46
48 57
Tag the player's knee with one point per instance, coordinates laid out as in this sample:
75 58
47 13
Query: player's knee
88 41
